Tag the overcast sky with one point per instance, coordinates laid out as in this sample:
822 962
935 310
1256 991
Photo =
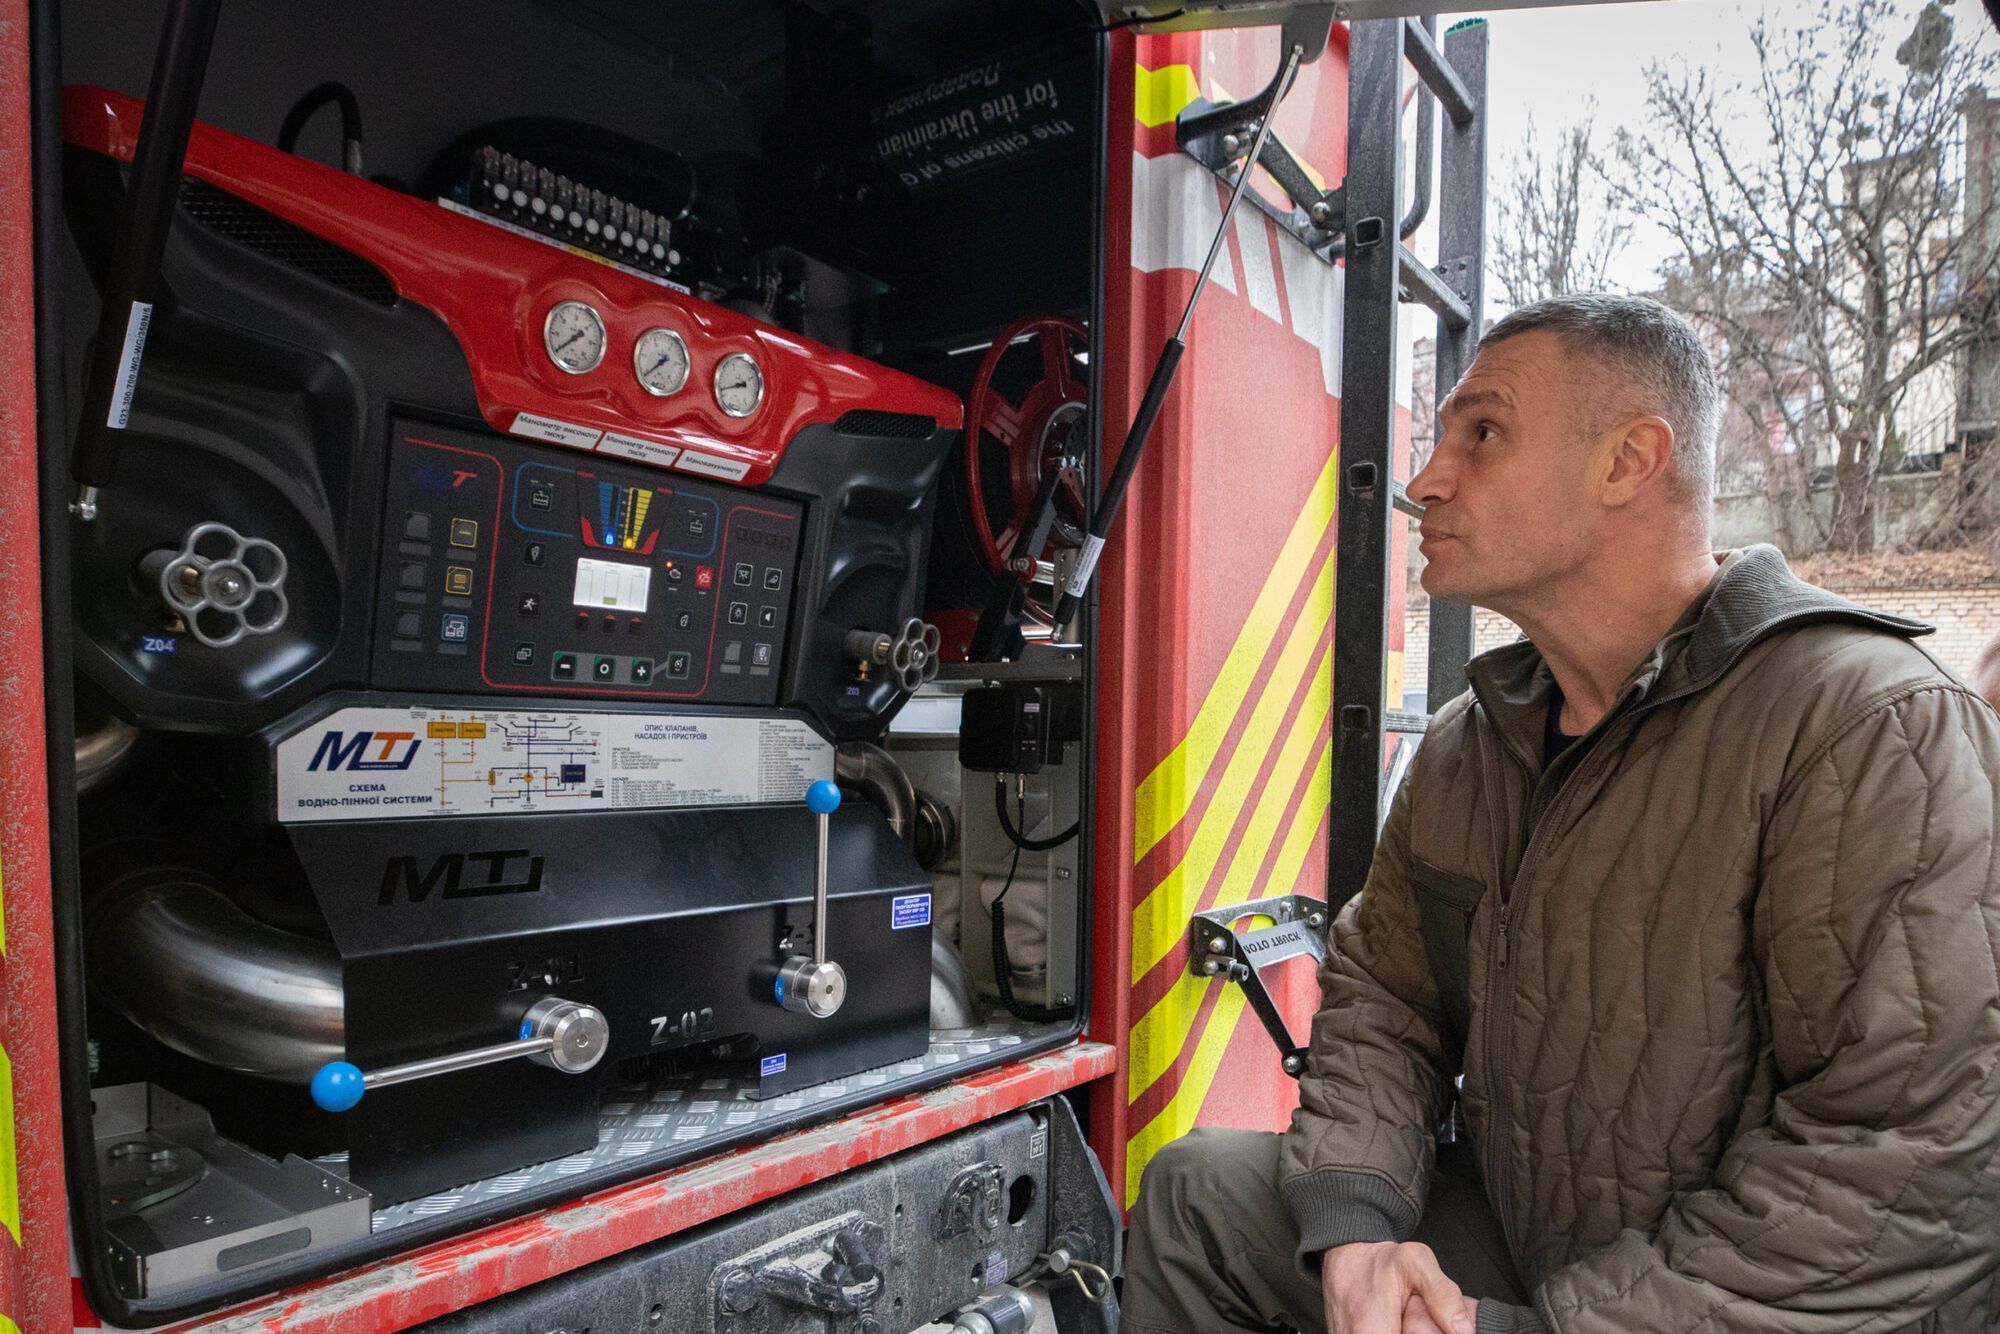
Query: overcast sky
1549 62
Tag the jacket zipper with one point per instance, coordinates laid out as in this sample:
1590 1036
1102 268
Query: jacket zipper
1500 987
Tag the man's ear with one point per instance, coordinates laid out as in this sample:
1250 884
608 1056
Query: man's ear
1638 456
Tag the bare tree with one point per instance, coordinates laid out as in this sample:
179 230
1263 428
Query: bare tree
1559 229
1824 236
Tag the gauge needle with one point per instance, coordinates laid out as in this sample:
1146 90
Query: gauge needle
656 365
567 341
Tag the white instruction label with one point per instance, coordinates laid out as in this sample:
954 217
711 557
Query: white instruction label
555 432
127 383
708 465
377 764
632 447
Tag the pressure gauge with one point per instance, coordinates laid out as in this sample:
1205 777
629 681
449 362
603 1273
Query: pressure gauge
739 385
574 336
660 360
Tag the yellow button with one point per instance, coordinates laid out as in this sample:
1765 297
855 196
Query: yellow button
465 532
458 579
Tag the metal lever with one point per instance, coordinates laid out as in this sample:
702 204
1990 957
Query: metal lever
816 985
563 1035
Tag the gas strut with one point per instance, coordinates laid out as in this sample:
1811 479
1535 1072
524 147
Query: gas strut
1108 504
133 282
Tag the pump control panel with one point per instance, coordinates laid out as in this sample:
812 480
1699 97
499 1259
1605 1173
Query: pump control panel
510 568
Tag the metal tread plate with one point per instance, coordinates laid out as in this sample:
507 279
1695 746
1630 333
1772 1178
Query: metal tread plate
669 1119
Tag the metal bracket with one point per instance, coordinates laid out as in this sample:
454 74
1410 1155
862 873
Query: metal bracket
1219 136
1216 950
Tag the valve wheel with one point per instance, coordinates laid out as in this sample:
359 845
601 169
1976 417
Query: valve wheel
225 585
1043 431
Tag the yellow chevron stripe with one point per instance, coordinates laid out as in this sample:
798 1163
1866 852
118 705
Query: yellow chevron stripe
1284 877
1159 95
1161 916
10 1177
1178 1116
1162 1032
1164 795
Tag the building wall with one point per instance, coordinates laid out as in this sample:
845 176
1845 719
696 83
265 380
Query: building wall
1906 506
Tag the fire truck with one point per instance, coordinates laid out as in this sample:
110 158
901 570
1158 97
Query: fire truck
641 690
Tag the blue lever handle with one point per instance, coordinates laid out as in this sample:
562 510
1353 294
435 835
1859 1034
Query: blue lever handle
337 1086
823 798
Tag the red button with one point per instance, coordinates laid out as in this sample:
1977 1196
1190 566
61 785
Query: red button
704 577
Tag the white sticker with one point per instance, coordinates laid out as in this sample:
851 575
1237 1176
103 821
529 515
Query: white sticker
380 764
1086 565
127 383
708 465
632 447
555 432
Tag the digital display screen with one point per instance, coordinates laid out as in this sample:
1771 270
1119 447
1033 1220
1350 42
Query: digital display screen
603 583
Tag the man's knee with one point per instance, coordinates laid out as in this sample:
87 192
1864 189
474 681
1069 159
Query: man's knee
1211 1174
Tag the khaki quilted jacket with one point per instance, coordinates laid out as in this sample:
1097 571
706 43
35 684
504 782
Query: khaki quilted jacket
1723 984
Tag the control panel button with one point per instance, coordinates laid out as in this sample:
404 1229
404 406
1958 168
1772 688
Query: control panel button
642 672
677 666
416 526
767 617
633 625
733 651
675 573
535 553
541 496
760 655
583 620
565 666
684 621
409 624
704 578
774 579
465 532
415 574
454 627
524 654
745 574
603 669
739 613
530 604
610 622
458 581
697 524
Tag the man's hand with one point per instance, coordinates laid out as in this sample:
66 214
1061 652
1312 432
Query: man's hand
1367 1286
1417 1317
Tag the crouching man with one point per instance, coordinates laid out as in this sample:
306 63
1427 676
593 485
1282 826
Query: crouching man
1696 889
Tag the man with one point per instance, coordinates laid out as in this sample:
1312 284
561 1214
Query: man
1697 891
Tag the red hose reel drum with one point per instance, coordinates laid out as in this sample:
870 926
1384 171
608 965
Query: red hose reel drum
1046 426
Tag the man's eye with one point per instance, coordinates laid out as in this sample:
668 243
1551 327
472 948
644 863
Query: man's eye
1485 431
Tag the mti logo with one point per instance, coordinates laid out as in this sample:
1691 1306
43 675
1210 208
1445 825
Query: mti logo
339 750
447 873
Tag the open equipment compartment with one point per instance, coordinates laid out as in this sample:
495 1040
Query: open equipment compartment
542 468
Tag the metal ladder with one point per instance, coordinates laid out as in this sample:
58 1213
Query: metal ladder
1362 220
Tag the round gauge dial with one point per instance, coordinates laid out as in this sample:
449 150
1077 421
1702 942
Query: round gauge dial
660 360
739 385
574 335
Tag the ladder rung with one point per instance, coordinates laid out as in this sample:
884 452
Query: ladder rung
1395 720
1425 286
1438 76
1399 496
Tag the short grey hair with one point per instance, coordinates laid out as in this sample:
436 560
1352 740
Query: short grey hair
1656 352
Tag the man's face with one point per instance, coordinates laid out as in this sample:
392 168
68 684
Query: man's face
1507 506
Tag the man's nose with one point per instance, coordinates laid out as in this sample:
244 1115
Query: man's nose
1433 481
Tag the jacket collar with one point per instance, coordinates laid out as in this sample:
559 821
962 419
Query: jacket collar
1753 595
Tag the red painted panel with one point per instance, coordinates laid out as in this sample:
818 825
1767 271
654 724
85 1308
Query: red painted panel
493 289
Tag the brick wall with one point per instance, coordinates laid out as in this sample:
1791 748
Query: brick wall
1967 618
